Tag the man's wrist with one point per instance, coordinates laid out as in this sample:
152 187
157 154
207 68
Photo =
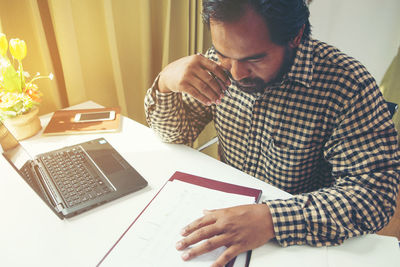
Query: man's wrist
269 221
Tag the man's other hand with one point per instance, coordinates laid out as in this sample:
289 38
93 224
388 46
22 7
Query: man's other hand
239 228
196 75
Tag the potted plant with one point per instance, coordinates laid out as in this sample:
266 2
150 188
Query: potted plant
19 95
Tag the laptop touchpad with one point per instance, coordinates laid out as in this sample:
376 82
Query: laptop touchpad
108 164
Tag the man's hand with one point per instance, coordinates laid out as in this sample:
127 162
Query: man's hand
196 75
239 228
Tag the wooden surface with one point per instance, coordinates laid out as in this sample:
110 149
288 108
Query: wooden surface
63 122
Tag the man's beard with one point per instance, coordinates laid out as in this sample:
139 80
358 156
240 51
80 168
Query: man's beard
256 84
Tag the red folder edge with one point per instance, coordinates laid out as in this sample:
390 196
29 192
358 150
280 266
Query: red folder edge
203 182
217 185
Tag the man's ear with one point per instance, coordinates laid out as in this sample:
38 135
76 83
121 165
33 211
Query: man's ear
297 39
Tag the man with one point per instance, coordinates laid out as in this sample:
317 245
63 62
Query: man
299 115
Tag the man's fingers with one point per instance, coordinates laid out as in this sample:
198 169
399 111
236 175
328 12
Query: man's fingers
208 85
204 247
237 228
203 233
193 91
197 224
227 255
196 75
216 69
205 89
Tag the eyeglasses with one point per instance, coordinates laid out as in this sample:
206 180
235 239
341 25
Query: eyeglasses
224 88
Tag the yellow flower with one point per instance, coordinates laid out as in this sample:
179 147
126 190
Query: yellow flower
3 44
9 99
16 95
18 48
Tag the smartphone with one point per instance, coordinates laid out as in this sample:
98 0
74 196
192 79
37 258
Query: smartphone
95 116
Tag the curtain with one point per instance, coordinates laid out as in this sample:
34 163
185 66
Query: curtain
390 87
107 51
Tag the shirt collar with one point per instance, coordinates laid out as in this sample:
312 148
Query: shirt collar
302 68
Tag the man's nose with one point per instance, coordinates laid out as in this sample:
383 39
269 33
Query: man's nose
239 70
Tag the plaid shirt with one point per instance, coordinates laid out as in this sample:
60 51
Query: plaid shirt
323 134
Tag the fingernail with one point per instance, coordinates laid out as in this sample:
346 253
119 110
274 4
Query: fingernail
178 245
185 256
218 102
183 231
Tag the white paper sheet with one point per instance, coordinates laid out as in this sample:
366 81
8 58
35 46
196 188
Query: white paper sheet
363 251
151 239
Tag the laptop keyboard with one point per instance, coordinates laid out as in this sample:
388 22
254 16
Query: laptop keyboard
74 176
27 173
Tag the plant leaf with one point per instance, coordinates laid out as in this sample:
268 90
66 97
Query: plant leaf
11 82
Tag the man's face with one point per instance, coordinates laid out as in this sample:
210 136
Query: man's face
244 49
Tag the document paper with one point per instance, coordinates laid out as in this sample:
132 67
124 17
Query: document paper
151 240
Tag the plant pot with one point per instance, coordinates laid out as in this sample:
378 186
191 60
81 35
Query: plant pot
7 141
25 125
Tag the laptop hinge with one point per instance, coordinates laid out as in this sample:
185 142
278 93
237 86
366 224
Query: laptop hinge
55 200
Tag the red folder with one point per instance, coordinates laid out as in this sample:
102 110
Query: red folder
203 182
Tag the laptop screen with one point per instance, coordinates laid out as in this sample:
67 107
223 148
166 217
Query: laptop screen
12 149
17 156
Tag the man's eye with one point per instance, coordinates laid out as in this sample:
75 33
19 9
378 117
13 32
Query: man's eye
254 60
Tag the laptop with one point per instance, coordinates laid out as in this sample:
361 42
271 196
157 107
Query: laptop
75 178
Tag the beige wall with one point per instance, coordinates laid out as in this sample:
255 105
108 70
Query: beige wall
368 30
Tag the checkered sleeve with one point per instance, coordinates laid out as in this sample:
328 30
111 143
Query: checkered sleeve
175 117
363 153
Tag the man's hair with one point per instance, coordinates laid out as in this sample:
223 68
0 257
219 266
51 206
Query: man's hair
284 18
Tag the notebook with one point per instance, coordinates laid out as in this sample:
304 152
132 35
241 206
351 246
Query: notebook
157 228
75 178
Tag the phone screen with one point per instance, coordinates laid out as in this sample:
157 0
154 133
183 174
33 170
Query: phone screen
94 116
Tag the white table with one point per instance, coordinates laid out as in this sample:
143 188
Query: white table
32 235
